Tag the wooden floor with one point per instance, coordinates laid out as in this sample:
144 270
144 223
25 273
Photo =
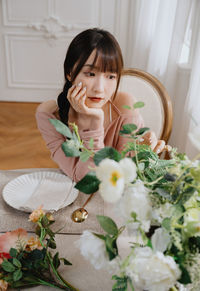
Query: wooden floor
21 145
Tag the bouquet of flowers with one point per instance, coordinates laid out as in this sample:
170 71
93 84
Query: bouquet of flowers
27 261
159 204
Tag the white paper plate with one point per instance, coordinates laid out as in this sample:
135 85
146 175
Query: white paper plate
18 191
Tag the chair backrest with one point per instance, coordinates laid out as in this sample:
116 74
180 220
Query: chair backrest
157 112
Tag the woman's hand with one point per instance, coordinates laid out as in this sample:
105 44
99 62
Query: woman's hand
77 96
85 117
158 146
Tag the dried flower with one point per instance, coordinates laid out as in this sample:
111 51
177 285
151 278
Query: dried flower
36 214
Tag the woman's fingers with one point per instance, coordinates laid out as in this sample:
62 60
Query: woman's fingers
149 138
159 147
76 96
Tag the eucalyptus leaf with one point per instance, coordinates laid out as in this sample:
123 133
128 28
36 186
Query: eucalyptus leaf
70 149
88 184
13 252
106 152
142 130
17 263
61 127
138 104
108 224
126 106
17 275
7 266
84 156
128 128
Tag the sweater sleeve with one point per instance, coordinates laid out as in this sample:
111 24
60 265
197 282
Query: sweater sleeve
71 166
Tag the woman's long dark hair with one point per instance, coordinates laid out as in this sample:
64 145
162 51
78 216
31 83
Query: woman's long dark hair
108 53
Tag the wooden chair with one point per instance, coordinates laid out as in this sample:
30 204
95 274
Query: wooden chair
157 112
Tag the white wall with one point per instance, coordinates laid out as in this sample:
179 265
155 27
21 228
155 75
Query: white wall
35 34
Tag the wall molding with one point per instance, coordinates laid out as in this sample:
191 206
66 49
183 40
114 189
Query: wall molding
52 27
13 82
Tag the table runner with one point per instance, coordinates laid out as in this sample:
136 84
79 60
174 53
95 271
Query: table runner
11 218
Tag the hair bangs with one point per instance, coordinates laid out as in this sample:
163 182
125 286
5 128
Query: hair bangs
106 61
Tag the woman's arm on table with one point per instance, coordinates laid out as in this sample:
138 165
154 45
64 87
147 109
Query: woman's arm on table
71 166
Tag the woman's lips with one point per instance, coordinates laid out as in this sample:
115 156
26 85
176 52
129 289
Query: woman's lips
95 99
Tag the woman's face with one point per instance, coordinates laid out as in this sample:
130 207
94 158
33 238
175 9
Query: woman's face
100 86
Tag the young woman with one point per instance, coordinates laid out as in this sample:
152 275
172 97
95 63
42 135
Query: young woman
90 98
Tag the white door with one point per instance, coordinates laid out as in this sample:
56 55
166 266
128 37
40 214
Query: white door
34 37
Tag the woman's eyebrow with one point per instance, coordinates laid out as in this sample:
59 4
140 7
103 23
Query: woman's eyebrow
90 66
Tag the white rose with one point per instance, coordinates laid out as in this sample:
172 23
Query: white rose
135 199
93 249
152 271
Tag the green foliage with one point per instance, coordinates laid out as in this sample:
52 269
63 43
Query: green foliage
88 184
8 266
32 267
138 104
107 152
84 156
142 130
121 283
13 252
61 127
71 148
128 128
126 106
108 224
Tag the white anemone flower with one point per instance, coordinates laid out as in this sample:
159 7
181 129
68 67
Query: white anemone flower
112 180
129 168
113 177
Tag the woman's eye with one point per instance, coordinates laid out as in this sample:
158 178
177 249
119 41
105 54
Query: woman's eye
89 74
112 77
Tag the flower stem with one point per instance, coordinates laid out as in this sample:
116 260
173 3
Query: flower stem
56 273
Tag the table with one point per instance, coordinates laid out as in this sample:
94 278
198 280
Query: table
81 274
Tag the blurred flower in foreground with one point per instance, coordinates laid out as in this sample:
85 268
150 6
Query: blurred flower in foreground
36 214
114 176
152 271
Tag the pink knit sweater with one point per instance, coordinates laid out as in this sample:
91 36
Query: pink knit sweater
73 166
